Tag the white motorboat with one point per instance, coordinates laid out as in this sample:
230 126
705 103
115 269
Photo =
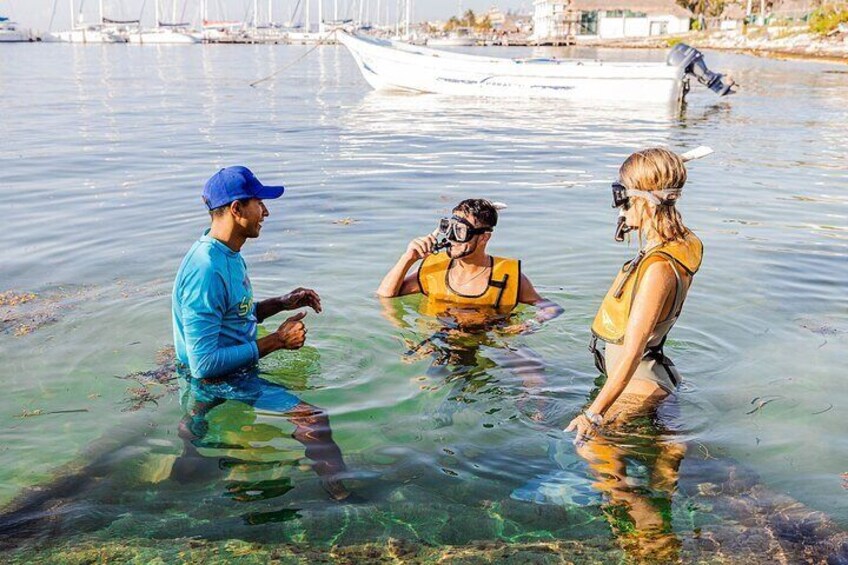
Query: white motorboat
11 33
391 65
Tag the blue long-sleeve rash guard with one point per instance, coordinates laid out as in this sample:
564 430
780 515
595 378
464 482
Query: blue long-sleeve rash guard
213 311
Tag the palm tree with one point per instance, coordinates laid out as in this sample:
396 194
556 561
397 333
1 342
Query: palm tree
452 24
485 24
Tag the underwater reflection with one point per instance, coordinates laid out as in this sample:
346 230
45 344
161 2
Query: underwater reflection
630 472
231 429
462 119
635 464
471 352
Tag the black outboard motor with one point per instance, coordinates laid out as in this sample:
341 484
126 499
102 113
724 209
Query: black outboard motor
692 61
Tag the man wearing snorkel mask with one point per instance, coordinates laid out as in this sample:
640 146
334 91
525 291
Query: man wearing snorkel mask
457 271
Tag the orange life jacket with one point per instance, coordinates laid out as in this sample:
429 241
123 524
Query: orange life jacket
611 320
501 293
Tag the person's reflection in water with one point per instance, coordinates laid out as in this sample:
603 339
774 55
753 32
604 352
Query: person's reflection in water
467 347
635 464
249 444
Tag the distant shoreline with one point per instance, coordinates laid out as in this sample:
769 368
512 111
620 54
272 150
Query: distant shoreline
794 47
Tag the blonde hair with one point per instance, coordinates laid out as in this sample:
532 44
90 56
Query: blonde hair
651 170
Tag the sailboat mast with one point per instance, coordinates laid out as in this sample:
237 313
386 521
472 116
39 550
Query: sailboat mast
270 15
336 10
408 15
321 16
100 6
308 15
155 12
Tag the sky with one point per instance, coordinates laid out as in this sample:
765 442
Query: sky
37 14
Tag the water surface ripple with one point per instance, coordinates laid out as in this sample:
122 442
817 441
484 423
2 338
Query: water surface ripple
105 150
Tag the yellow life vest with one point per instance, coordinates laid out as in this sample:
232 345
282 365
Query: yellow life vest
501 293
612 317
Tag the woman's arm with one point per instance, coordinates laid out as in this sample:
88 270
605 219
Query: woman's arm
654 290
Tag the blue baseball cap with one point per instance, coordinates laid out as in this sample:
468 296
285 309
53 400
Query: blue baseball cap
235 183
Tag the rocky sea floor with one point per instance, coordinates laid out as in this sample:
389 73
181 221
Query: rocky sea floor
96 512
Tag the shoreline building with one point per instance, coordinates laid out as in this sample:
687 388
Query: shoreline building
564 22
551 22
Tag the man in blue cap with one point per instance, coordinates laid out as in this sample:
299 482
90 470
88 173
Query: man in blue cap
215 323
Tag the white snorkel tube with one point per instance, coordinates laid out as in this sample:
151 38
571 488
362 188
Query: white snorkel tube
697 153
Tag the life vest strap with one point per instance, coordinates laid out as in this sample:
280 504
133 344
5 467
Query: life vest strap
502 286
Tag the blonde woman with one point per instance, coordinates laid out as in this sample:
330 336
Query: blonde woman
646 297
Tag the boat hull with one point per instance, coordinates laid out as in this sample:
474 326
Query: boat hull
88 36
394 66
15 36
164 37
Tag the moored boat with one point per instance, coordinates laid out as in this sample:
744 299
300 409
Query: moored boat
90 34
167 34
11 33
391 65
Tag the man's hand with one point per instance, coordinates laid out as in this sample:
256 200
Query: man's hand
421 247
585 429
301 297
292 333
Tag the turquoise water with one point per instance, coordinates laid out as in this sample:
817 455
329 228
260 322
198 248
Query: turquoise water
104 152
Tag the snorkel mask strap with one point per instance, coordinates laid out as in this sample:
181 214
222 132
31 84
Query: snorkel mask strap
665 197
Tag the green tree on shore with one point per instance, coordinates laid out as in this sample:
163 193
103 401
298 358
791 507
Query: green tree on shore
469 21
707 8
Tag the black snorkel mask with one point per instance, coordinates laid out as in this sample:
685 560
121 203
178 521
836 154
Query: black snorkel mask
621 201
456 230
